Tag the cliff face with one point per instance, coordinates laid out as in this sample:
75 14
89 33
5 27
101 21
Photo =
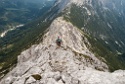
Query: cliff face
72 63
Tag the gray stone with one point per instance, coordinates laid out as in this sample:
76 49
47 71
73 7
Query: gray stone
72 63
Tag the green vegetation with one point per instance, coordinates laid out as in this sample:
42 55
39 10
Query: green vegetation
97 25
100 49
17 12
21 39
98 32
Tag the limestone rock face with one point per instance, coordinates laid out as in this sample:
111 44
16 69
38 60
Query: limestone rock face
71 63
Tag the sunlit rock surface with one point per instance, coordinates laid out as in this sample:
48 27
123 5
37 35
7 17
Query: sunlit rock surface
72 63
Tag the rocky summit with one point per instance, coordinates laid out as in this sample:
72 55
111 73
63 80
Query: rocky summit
71 63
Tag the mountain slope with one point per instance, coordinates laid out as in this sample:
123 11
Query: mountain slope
16 41
86 54
103 21
18 12
72 63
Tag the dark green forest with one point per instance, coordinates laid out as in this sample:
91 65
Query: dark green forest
100 35
14 42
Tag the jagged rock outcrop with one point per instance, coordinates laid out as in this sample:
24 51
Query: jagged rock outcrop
72 63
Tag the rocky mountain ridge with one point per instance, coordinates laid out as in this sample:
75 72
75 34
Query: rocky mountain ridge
72 63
